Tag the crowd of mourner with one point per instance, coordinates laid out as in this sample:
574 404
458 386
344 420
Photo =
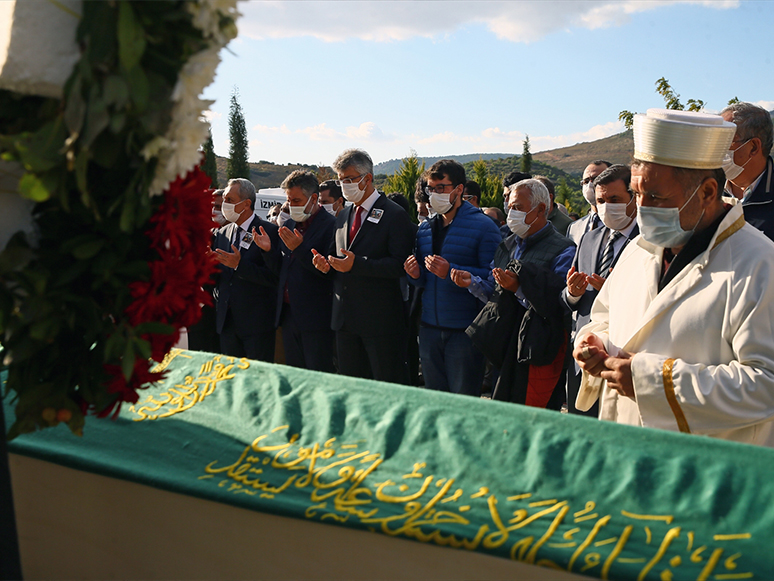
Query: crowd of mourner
655 309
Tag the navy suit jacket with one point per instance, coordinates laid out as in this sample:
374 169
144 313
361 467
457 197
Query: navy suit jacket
250 290
759 208
309 291
586 257
368 300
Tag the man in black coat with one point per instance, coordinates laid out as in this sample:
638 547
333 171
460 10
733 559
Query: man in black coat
749 166
246 287
597 254
373 237
304 294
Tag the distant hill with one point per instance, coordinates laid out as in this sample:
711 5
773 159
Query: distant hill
265 174
391 166
573 159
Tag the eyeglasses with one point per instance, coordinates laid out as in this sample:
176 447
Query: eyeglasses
349 180
439 189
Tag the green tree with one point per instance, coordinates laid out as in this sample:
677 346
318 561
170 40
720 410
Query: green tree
209 165
571 198
491 185
404 180
671 101
526 157
237 133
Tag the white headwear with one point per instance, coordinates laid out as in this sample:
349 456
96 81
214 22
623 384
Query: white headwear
682 138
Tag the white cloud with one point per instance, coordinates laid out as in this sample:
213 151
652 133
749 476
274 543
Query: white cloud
768 105
381 21
211 115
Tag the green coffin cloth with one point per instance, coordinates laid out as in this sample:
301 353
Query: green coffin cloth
559 491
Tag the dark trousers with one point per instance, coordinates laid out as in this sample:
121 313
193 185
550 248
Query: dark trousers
202 336
258 345
307 349
382 357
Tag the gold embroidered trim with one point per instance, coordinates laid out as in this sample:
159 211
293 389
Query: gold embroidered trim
669 390
735 227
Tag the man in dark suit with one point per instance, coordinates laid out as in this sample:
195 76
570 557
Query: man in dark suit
304 294
597 254
373 237
749 166
246 286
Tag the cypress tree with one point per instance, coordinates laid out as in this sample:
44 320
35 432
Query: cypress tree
237 154
209 165
526 157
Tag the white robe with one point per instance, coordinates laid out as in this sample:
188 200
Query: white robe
703 347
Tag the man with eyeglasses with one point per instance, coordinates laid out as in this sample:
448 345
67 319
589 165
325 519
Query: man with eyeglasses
749 166
371 241
459 236
680 336
590 221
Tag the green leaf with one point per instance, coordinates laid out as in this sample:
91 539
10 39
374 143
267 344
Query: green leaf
128 213
115 91
33 188
143 348
139 87
87 250
131 38
127 361
75 110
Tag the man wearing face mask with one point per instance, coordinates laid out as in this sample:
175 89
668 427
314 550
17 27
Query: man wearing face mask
372 239
459 236
246 287
591 220
681 336
523 329
303 294
596 256
217 208
749 166
331 198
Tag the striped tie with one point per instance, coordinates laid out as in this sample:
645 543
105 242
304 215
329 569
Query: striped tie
608 255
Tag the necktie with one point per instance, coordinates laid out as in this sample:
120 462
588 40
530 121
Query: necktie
608 254
594 221
355 224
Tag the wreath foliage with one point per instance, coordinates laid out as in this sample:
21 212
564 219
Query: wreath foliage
112 273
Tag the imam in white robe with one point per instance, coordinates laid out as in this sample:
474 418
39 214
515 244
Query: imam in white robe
703 347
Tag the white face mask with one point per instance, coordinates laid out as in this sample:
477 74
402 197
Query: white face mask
282 217
441 203
614 216
661 226
588 193
421 218
299 213
229 213
352 192
329 208
730 168
218 216
517 222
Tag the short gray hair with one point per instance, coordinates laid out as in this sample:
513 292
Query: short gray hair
305 180
752 121
356 158
246 190
538 193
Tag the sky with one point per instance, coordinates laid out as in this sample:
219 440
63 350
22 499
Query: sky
453 77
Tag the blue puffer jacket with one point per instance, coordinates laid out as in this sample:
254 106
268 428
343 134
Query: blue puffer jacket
470 245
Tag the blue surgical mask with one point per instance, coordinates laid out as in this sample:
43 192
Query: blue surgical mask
661 226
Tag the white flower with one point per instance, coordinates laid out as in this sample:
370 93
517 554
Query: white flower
178 150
